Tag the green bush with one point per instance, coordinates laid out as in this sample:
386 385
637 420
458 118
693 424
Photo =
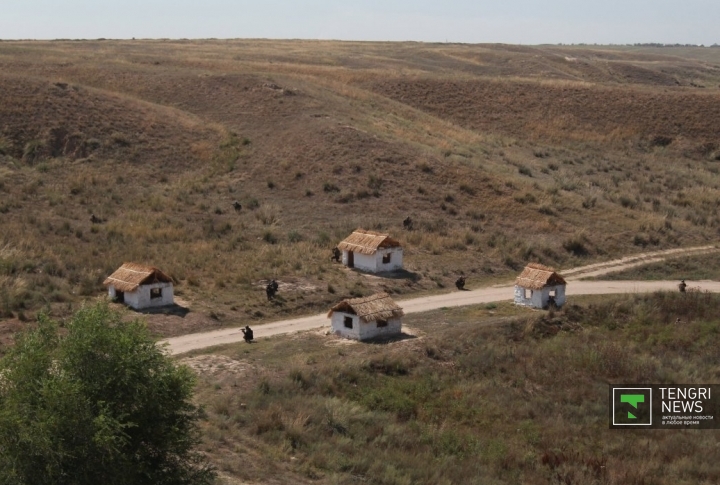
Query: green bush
99 403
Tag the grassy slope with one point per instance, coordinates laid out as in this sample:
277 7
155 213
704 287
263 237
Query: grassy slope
704 267
501 154
482 396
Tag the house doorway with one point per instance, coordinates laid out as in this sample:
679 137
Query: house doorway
119 296
351 259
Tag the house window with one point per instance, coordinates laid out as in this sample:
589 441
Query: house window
386 258
348 322
155 293
528 294
551 303
382 323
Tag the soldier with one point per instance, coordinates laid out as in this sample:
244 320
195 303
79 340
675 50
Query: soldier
460 283
247 334
682 286
336 254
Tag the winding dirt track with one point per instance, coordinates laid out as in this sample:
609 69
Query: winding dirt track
186 343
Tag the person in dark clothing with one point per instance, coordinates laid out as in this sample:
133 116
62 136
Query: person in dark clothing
247 334
460 283
682 286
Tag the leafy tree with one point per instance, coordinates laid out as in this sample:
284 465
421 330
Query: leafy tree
96 403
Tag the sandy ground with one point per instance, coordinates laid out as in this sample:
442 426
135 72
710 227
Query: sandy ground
186 343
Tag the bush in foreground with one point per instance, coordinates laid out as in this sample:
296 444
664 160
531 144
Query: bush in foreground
98 403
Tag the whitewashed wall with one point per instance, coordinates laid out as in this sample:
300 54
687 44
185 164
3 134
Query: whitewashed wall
362 330
337 321
540 298
363 262
396 259
373 262
371 330
140 298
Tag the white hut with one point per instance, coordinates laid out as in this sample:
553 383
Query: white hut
538 285
371 251
140 286
366 318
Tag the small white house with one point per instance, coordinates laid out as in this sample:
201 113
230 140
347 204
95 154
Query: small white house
538 285
366 318
371 251
140 286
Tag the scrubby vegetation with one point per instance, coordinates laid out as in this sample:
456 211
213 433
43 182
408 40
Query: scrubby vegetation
498 153
96 402
693 268
483 395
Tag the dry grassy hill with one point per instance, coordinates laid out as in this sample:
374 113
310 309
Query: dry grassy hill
501 154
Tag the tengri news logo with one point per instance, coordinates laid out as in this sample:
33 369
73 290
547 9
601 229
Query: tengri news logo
632 406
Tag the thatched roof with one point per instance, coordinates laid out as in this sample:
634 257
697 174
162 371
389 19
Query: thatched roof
367 242
375 307
129 276
536 276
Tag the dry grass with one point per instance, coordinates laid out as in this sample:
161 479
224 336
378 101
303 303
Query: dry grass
482 396
692 268
159 138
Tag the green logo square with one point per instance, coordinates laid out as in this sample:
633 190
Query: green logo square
632 406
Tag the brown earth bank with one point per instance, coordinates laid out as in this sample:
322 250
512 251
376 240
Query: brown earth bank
501 154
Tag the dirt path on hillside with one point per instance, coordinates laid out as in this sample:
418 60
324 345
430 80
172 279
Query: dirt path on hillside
599 269
186 343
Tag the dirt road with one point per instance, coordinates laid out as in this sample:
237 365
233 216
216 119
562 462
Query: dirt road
186 343
599 269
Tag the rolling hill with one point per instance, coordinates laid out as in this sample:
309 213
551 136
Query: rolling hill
501 154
